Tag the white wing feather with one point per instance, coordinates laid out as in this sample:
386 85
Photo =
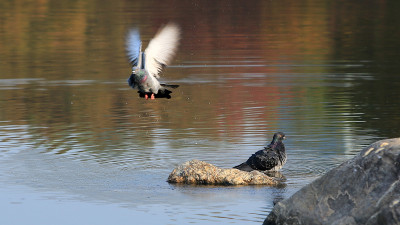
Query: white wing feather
162 49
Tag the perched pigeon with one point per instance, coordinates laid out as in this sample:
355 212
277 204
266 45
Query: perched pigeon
272 157
148 65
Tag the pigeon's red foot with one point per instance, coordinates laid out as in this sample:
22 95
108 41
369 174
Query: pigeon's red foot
152 96
145 96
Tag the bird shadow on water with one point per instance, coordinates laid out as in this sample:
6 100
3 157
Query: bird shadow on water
278 193
158 95
276 175
161 94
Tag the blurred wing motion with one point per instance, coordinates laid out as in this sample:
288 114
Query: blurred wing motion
162 49
133 45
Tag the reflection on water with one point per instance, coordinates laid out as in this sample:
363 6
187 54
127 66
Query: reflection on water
74 135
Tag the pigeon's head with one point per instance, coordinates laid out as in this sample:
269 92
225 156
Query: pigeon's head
278 137
135 70
139 74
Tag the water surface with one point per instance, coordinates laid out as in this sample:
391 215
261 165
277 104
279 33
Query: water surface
78 146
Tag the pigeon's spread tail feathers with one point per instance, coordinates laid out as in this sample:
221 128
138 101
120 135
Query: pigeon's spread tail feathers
244 167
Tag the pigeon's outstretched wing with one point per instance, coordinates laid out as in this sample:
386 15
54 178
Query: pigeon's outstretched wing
162 49
133 45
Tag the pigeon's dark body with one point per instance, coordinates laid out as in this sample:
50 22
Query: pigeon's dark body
272 157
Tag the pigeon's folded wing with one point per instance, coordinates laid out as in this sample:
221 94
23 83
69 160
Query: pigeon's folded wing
162 49
263 160
133 45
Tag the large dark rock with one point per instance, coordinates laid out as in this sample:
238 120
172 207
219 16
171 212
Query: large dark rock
199 172
363 190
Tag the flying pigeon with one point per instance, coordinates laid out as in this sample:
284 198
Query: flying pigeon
148 65
272 157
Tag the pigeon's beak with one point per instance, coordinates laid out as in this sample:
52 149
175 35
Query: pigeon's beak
284 137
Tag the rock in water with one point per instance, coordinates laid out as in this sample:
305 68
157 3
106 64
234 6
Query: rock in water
199 172
363 190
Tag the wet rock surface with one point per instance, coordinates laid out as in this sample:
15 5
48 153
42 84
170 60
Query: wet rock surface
199 172
363 190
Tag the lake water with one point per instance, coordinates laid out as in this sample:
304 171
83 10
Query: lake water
78 146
